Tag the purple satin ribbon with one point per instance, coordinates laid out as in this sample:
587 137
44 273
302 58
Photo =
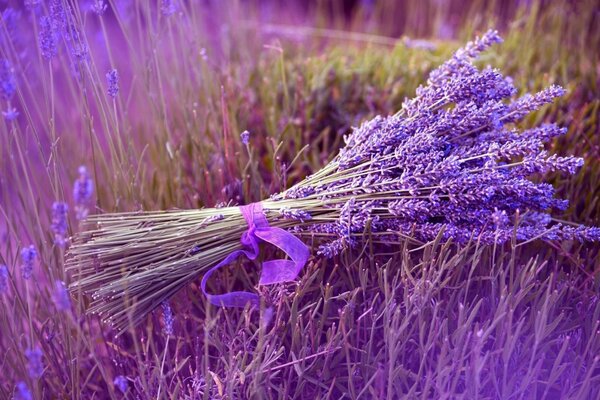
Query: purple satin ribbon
273 271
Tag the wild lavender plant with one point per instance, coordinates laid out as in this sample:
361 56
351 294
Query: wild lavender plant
29 257
22 392
3 279
451 161
245 137
112 79
83 189
121 383
59 222
60 296
35 363
167 319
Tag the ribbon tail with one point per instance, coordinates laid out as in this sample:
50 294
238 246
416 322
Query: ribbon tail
278 271
231 299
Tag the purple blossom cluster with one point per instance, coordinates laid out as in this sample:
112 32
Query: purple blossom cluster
168 318
112 79
59 25
29 256
83 189
452 160
35 364
59 222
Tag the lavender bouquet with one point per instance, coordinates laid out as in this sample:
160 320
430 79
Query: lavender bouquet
451 162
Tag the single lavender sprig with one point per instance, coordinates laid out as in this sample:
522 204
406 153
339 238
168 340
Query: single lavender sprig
8 82
48 38
99 7
22 392
168 319
60 296
245 137
35 365
3 279
83 189
167 7
10 114
121 383
112 79
29 257
59 222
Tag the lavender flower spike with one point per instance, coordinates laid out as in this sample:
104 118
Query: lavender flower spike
112 78
245 137
8 84
99 7
47 38
167 7
35 364
167 319
61 298
83 188
121 383
22 392
3 279
59 222
29 257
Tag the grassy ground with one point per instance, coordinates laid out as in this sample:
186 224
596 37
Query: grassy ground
442 321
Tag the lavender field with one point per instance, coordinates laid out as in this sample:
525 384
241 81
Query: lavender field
431 168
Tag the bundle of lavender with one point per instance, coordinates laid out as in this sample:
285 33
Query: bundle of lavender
450 161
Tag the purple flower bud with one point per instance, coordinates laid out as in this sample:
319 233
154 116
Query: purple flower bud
35 364
83 188
61 298
47 38
59 222
29 257
245 136
299 215
167 318
121 383
112 78
10 114
22 392
8 83
167 7
99 7
3 279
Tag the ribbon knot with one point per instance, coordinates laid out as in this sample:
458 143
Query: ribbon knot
273 271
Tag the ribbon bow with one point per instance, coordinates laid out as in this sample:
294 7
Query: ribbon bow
273 271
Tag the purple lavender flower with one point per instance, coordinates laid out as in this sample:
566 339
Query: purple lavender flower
99 7
296 214
22 392
35 364
8 83
112 78
48 38
10 19
245 136
61 298
83 188
121 383
167 7
3 279
29 257
32 4
10 114
167 319
59 222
